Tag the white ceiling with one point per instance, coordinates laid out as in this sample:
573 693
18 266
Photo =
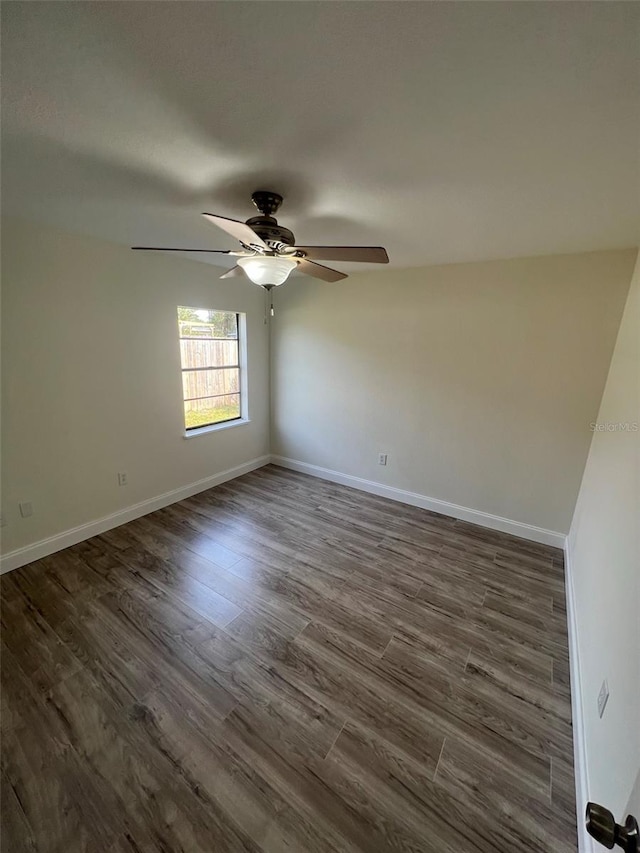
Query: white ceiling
449 131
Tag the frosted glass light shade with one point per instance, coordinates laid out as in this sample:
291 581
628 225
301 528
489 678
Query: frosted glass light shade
267 270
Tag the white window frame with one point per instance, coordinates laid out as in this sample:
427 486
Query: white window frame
244 385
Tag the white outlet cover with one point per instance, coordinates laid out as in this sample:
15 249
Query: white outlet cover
603 697
26 509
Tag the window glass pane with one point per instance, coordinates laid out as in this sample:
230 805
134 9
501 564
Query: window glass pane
212 410
201 323
210 383
210 356
208 353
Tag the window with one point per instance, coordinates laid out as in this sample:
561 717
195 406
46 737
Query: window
212 366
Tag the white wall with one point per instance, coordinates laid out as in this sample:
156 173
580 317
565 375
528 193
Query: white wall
91 381
479 380
481 392
604 551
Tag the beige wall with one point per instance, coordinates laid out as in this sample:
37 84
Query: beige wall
479 380
91 379
604 549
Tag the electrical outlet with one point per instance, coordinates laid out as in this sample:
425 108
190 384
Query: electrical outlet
603 697
382 458
122 478
26 509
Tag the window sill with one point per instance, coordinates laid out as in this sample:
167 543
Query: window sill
216 427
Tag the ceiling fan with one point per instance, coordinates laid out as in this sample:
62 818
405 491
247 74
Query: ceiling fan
269 253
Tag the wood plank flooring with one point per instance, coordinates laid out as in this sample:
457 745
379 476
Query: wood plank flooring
285 664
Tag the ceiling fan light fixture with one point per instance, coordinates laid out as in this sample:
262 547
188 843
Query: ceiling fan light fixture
267 270
269 254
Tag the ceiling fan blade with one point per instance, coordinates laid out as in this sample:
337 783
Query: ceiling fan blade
242 232
318 271
363 254
234 272
166 249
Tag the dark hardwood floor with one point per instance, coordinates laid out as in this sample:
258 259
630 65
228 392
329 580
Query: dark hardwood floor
284 664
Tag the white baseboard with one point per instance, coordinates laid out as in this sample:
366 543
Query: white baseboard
22 556
585 841
474 516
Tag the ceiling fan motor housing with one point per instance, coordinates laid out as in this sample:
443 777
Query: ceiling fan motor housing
275 236
278 239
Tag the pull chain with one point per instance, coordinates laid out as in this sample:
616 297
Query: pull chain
268 291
